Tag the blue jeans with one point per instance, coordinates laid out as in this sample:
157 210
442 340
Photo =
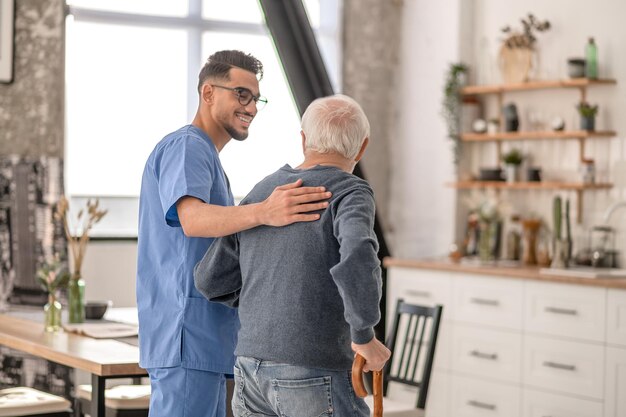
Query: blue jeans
182 392
264 388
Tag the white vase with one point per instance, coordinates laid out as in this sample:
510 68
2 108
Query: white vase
559 258
515 64
512 173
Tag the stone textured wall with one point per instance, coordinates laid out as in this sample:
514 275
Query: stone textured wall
371 45
32 107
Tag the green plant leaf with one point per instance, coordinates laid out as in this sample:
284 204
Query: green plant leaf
513 157
61 280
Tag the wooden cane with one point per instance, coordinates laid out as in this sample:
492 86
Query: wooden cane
359 387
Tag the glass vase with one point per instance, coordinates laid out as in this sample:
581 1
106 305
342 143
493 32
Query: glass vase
531 232
486 240
76 299
52 314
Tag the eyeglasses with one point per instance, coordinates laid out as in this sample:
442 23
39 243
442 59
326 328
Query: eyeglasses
245 96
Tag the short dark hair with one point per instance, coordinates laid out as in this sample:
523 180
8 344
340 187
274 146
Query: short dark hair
219 64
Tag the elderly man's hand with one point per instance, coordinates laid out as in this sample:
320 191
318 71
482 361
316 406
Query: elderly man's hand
375 353
292 203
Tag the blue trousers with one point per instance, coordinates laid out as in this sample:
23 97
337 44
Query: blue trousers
182 392
264 388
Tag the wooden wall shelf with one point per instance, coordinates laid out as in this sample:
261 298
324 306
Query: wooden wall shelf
577 187
536 135
535 185
472 90
499 90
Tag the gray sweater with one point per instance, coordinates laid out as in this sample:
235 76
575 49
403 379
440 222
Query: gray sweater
304 291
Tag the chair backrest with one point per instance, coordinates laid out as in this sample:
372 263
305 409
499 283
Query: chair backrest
412 341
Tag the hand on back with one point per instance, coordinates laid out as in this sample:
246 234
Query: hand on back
292 203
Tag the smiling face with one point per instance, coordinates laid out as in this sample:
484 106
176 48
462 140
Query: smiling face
228 112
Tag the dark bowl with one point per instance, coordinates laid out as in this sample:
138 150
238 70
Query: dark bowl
94 310
576 67
491 174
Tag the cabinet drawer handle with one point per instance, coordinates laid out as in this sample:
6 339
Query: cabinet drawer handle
557 365
479 404
485 301
415 293
481 355
557 310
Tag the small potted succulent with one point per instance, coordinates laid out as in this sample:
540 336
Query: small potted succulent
588 114
512 161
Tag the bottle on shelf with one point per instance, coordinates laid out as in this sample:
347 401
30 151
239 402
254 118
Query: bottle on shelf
588 171
513 243
591 54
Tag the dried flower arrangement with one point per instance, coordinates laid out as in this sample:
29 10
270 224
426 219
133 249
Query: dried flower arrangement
488 206
78 234
526 39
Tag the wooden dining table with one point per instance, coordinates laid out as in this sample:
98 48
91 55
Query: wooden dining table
102 358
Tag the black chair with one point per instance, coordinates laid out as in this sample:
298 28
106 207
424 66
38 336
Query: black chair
412 341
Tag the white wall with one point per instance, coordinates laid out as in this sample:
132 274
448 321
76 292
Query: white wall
422 209
109 271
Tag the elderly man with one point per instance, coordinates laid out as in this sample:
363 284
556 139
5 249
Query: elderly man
307 293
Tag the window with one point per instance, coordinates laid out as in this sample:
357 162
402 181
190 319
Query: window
132 70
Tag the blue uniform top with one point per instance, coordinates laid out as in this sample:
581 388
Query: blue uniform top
177 325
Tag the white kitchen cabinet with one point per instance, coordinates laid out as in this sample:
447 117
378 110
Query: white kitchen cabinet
437 403
472 397
433 287
544 404
615 400
488 301
438 400
487 353
616 317
565 310
444 344
564 366
523 347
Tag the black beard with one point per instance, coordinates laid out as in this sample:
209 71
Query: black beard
239 136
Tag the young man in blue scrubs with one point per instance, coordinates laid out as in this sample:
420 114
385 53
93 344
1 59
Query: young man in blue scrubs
186 342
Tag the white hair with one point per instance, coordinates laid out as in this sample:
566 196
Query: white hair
335 124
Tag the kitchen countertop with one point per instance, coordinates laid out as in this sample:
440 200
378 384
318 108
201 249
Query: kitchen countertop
503 269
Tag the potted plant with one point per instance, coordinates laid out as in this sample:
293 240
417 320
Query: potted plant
516 53
77 235
53 276
587 115
512 161
451 106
